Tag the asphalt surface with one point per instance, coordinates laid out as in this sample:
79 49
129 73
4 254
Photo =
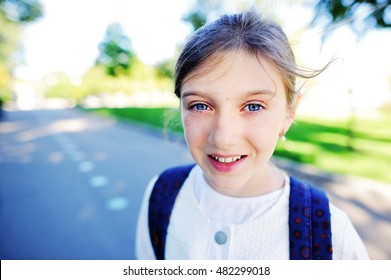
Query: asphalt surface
71 185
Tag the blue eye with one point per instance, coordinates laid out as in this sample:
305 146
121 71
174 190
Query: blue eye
200 107
253 107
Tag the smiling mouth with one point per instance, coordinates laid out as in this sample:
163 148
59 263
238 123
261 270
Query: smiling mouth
226 159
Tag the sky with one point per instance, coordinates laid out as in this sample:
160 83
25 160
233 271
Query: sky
67 37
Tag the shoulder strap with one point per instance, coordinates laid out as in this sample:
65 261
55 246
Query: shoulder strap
309 215
309 223
161 203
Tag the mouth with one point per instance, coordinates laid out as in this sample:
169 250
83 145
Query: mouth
222 159
225 163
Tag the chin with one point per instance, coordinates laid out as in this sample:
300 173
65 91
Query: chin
227 185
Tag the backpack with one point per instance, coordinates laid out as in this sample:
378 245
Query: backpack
309 216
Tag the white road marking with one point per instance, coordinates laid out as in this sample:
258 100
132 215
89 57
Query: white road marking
99 181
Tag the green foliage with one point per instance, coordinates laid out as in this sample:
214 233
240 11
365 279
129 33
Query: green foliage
202 11
93 82
21 11
196 18
118 70
59 85
141 78
360 14
13 13
9 38
165 69
115 52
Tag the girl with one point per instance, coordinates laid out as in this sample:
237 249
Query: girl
236 82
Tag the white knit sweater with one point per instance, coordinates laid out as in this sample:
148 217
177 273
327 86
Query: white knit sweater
208 225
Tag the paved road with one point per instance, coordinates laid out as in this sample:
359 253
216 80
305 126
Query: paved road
71 186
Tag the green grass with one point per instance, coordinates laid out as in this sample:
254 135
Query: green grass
167 119
361 147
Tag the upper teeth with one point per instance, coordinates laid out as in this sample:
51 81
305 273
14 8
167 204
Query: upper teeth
227 160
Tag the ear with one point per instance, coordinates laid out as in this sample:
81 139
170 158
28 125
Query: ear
291 110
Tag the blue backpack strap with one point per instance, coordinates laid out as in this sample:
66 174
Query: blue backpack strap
161 203
309 223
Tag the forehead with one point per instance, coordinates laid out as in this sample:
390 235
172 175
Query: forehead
236 71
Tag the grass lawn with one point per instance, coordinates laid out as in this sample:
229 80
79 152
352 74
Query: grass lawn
363 150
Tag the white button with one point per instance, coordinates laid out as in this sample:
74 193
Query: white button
220 237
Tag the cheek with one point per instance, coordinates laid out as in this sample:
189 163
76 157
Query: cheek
262 137
267 125
264 132
263 140
195 130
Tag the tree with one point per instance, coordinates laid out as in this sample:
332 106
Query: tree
360 14
13 14
202 12
21 11
9 39
115 52
165 69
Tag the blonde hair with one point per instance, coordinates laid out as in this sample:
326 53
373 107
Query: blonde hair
244 31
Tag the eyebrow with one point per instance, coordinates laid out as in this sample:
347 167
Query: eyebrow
246 94
260 92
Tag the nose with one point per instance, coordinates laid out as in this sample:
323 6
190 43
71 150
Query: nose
225 131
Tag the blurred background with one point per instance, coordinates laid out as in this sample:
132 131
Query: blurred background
88 115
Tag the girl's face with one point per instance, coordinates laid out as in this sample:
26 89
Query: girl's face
233 114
